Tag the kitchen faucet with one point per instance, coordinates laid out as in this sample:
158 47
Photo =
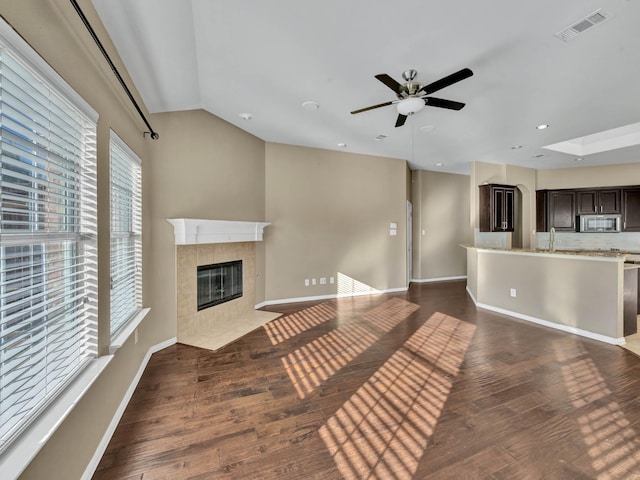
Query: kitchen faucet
552 239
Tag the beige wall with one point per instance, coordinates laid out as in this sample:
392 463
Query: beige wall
203 167
330 214
441 211
206 168
554 288
603 176
482 172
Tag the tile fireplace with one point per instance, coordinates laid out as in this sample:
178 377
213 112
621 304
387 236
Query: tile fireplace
215 306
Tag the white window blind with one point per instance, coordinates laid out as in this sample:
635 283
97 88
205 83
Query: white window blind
48 284
126 234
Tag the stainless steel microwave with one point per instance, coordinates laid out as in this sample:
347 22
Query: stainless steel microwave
600 223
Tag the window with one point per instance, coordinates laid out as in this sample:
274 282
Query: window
126 234
48 285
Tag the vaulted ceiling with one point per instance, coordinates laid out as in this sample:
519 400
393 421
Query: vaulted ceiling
268 57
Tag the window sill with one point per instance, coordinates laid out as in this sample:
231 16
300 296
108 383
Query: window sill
127 331
24 448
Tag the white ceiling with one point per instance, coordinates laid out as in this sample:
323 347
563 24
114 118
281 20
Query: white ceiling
266 57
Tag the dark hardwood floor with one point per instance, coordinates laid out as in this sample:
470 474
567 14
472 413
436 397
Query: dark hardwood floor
406 386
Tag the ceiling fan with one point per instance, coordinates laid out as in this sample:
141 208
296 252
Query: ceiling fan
412 97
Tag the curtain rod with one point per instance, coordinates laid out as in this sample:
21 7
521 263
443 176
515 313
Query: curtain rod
154 135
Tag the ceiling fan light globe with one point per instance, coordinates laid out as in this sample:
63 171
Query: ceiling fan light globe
409 106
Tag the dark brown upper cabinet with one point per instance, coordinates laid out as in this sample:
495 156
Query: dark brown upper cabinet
497 208
598 201
542 207
631 209
562 210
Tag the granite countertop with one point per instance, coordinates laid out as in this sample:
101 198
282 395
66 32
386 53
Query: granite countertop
622 254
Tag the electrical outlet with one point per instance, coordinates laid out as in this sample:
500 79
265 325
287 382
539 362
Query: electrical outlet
306 282
313 281
332 280
513 292
323 281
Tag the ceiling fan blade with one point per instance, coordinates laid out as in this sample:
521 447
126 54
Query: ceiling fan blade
446 81
442 103
389 82
371 107
401 119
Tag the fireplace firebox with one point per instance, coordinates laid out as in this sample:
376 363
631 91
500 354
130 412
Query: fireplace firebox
219 283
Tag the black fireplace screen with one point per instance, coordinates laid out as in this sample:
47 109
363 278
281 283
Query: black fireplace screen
219 283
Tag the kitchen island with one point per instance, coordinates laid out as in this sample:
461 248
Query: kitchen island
581 292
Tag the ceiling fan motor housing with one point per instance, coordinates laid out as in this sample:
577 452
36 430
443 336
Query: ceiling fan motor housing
408 89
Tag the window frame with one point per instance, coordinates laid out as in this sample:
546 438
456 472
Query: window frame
127 325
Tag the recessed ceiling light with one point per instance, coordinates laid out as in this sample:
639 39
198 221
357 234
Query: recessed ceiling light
245 116
310 106
579 159
427 128
380 137
439 164
342 145
542 126
539 155
516 147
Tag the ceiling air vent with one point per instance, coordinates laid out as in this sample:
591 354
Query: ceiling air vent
596 18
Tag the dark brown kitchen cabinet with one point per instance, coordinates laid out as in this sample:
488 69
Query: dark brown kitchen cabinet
542 202
631 209
598 201
497 208
557 209
561 210
630 301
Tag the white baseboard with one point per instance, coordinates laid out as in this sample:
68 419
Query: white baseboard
439 279
329 297
97 456
557 326
472 297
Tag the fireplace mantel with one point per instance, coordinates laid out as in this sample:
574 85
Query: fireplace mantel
192 231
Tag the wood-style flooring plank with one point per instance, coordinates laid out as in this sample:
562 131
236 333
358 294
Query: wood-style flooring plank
419 385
